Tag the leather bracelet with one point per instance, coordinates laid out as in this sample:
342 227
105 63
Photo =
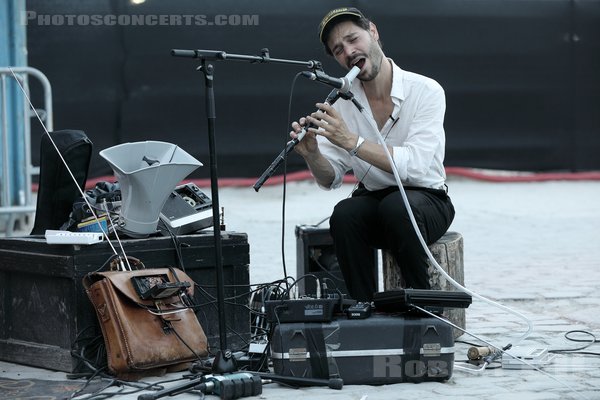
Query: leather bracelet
359 143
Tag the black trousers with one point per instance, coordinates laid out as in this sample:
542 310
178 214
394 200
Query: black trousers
379 219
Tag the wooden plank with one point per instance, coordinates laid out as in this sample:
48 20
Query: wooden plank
37 355
36 263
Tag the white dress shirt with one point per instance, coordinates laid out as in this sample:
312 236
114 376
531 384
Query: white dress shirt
415 130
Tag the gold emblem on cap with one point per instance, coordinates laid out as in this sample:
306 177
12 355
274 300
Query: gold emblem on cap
334 13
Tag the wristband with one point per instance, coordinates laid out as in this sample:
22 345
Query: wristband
359 143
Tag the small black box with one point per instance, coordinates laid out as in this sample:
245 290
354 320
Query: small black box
381 349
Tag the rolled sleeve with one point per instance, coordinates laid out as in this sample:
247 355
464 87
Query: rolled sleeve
415 156
339 160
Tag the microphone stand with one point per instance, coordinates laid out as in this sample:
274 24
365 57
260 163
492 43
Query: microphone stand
333 96
205 56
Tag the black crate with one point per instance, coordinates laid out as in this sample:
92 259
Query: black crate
43 305
381 349
315 255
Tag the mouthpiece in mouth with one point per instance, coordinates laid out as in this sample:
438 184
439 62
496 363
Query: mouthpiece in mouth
360 63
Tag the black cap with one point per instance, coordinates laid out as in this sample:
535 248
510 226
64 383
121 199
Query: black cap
335 13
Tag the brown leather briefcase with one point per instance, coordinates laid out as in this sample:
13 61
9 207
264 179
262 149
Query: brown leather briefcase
147 325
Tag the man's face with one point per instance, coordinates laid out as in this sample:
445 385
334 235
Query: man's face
351 45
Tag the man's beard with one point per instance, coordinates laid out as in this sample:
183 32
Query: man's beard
376 57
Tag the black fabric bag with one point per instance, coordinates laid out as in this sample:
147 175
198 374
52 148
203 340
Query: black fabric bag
57 190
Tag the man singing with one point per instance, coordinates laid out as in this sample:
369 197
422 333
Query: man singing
408 110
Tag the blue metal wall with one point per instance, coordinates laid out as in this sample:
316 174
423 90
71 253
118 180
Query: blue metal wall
13 52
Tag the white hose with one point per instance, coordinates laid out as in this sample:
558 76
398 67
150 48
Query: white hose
426 248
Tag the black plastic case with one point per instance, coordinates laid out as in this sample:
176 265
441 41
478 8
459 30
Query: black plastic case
381 349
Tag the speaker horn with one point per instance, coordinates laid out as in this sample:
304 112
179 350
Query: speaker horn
147 173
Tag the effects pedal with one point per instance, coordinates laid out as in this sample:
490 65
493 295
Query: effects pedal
435 301
359 311
157 286
299 310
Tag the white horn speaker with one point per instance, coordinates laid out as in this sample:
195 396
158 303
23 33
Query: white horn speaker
147 173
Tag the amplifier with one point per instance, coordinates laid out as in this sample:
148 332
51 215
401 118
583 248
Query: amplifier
315 255
380 349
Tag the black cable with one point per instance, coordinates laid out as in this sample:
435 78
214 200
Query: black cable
287 292
259 286
108 261
469 343
284 186
577 350
594 340
170 326
261 331
85 347
176 244
325 270
335 286
112 381
212 303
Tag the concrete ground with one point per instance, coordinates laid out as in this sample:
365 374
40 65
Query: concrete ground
532 247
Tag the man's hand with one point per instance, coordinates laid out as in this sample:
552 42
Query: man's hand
308 145
308 148
328 123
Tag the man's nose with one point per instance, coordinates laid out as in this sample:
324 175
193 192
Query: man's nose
349 53
349 50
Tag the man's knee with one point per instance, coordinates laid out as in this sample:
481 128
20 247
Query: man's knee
346 213
339 215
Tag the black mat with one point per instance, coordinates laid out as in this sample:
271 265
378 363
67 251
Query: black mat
13 389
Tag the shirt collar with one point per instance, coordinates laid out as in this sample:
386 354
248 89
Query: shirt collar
397 92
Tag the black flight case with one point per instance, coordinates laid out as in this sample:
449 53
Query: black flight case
381 349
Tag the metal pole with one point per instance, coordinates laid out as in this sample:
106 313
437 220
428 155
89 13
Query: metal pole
5 198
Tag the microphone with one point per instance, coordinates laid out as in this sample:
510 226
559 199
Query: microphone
342 84
476 353
488 354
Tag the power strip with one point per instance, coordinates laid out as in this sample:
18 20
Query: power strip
526 358
68 237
